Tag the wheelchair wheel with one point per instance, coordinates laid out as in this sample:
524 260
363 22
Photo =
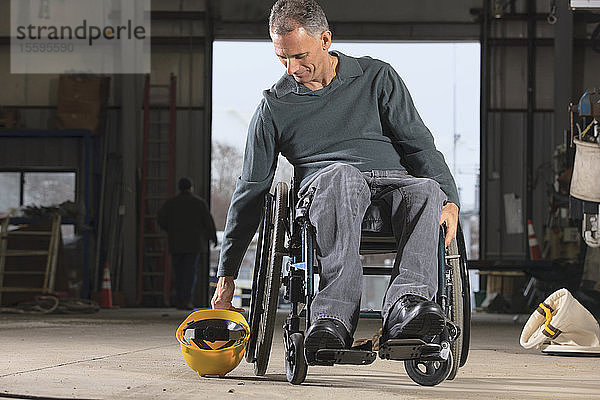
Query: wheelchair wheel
466 290
258 281
272 273
456 305
428 373
295 363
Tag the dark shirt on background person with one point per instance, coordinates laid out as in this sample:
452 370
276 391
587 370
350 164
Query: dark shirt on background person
189 225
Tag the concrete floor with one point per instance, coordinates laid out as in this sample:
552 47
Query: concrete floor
132 353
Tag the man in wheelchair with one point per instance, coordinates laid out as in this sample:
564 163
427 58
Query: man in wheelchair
350 129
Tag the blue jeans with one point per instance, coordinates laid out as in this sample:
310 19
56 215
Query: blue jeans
342 195
184 265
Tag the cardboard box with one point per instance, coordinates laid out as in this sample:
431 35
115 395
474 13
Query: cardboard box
90 121
81 101
74 89
9 117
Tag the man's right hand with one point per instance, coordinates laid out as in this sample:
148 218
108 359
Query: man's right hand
224 294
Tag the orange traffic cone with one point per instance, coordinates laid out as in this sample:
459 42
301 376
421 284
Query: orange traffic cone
535 253
106 294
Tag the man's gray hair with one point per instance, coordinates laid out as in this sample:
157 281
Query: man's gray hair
287 15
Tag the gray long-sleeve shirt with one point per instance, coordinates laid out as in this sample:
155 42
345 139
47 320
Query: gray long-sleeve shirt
365 117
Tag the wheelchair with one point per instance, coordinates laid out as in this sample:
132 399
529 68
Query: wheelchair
285 231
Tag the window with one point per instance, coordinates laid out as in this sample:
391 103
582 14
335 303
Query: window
37 189
10 195
48 188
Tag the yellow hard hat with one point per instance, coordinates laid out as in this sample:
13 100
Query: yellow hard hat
213 341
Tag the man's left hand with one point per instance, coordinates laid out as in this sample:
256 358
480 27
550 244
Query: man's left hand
450 217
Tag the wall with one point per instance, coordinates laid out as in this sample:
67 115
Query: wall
179 47
569 68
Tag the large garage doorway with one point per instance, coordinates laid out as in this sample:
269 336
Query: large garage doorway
444 81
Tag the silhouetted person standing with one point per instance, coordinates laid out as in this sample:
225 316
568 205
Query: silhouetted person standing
189 225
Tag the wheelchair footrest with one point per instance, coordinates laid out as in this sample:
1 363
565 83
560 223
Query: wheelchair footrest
410 349
344 356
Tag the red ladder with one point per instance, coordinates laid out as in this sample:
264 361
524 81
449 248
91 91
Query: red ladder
157 185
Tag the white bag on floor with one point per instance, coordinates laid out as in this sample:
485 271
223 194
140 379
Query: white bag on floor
561 323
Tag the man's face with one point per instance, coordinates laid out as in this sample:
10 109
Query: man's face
304 56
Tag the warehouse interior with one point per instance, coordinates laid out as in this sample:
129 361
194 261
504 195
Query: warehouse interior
86 160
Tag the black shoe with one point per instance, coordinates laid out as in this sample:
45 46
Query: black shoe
325 333
414 317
